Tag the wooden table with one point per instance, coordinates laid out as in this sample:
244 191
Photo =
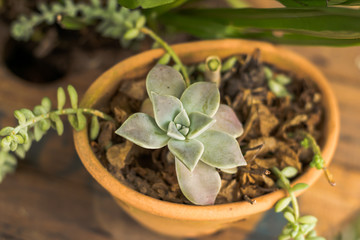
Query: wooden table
51 196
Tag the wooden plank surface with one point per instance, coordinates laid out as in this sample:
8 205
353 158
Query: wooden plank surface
51 196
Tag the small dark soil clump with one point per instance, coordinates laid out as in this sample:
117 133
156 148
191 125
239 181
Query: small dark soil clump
269 138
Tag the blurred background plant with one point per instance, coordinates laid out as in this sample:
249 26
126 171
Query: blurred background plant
312 22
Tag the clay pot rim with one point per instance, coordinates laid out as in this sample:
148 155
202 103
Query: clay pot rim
166 209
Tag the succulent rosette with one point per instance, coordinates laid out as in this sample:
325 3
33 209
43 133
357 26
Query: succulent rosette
198 130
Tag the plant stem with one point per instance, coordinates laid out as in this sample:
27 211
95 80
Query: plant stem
62 112
287 188
166 46
295 205
316 150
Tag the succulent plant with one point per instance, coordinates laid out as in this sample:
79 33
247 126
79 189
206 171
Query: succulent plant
198 130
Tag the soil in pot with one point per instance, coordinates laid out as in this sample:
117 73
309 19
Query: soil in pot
269 138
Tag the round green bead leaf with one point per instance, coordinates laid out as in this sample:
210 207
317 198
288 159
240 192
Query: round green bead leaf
299 186
289 216
282 204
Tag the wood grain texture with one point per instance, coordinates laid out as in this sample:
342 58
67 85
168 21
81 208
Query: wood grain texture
51 196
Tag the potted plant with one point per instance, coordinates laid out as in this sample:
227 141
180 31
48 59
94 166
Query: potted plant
181 219
187 220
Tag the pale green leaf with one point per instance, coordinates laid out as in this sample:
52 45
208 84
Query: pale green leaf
6 131
20 116
38 133
199 123
61 98
142 130
289 216
94 128
299 187
278 89
221 150
200 186
308 219
59 126
27 113
81 120
182 118
165 80
166 108
282 204
73 96
173 132
188 151
289 172
203 97
44 124
46 103
39 110
227 121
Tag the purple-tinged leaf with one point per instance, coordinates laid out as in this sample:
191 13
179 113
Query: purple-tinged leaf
227 121
200 186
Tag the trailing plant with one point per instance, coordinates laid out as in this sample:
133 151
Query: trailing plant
32 125
317 161
198 130
112 21
298 227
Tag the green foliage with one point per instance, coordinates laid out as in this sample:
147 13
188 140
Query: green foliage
317 3
112 21
295 25
144 3
310 142
187 121
277 83
303 3
33 125
298 227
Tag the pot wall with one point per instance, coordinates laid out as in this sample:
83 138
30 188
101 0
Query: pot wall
185 220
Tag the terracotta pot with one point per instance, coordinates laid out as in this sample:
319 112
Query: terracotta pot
186 220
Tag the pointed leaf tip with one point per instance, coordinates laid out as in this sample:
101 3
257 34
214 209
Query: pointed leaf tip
142 130
221 150
227 121
188 151
203 97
